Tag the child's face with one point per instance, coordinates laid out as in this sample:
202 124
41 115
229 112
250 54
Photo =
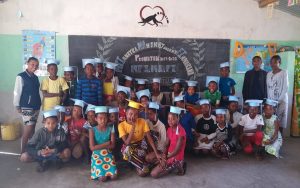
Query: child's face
144 101
176 88
101 119
233 106
69 75
113 117
121 97
256 63
268 110
128 83
89 70
274 64
220 118
131 115
50 123
180 104
151 115
205 108
32 66
52 69
140 87
109 73
172 119
252 111
224 71
76 112
155 87
100 68
91 116
212 87
191 90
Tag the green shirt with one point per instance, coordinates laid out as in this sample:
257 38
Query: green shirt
213 97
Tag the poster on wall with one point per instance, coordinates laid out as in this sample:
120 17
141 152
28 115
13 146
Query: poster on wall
188 59
39 44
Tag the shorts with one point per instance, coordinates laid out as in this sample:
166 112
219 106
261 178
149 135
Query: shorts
29 116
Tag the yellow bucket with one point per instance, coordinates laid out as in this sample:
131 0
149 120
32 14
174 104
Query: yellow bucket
8 132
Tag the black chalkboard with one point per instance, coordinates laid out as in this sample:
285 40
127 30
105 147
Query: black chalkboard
154 57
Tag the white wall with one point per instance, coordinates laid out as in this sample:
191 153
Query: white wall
233 19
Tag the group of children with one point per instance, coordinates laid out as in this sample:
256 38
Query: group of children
101 121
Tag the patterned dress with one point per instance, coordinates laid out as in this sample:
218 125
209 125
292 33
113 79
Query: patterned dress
269 129
102 161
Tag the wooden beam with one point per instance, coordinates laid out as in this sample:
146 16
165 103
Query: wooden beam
263 3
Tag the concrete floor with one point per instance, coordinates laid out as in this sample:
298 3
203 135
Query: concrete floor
240 171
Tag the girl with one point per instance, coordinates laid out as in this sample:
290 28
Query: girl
157 96
123 93
272 137
191 97
173 156
102 141
110 83
177 90
144 98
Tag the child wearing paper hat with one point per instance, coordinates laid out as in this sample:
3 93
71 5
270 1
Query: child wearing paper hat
140 84
69 76
110 83
91 115
226 84
176 89
157 96
100 68
212 92
191 96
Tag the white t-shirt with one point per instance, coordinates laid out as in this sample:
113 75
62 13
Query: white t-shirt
250 124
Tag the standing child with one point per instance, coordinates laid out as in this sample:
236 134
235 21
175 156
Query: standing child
140 84
250 130
226 84
144 98
100 68
176 90
173 156
54 88
157 96
62 124
110 83
129 83
272 137
102 141
191 97
69 75
113 121
212 93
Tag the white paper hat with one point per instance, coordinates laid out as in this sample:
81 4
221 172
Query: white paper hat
154 105
179 98
175 80
128 78
113 110
60 108
98 60
176 110
50 113
141 81
271 102
221 111
191 83
203 101
101 109
87 61
124 89
69 69
110 65
225 64
156 80
90 107
142 93
78 102
232 98
212 79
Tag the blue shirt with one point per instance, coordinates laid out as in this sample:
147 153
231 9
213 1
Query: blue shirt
90 91
225 85
188 123
192 99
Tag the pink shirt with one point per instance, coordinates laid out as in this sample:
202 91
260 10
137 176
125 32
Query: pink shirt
173 136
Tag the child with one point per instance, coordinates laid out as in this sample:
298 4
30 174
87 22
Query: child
222 142
144 98
47 144
54 88
226 84
187 121
69 76
77 134
123 93
212 93
157 96
176 90
90 116
110 83
272 137
205 130
191 97
61 118
250 130
173 156
128 81
100 68
113 121
89 88
102 141
141 84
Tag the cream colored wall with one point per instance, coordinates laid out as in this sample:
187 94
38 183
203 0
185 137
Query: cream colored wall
233 19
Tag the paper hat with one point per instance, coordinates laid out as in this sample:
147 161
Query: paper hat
221 111
110 65
271 102
141 81
50 113
232 98
225 64
124 89
153 105
156 80
212 79
87 61
128 78
142 93
101 109
191 83
52 61
175 80
90 107
78 102
179 98
134 104
69 69
60 108
253 102
176 110
113 110
203 101
98 60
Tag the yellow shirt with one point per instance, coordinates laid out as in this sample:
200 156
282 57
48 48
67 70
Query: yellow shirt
140 129
108 88
53 86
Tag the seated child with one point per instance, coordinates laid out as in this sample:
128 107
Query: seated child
144 98
250 130
157 96
222 143
226 84
173 155
102 142
191 97
62 124
272 140
205 130
130 84
54 88
47 144
110 83
90 116
176 90
212 93
69 76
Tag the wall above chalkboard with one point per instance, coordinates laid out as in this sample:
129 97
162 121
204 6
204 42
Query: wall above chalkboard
188 59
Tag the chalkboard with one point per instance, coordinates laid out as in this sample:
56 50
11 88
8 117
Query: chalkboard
188 59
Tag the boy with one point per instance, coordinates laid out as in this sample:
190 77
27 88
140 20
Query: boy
144 98
226 84
47 144
212 93
191 97
91 116
176 90
69 75
54 88
100 68
157 96
89 88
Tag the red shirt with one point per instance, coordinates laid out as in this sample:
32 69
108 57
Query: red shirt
122 114
173 136
75 129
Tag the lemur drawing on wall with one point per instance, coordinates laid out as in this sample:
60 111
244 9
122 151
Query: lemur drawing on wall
148 19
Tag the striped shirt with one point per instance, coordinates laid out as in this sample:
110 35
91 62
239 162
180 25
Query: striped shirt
90 91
